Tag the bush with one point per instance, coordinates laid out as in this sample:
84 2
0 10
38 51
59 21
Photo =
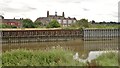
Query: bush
38 24
53 24
27 23
83 23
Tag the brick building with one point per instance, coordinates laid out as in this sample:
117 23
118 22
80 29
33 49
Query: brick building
13 22
61 19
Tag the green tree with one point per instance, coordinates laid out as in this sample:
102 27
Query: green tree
38 24
53 24
27 23
83 23
93 22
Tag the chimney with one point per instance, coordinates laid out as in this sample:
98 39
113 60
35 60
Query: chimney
1 17
47 13
63 14
55 13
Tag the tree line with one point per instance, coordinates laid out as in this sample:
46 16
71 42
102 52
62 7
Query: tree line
27 23
82 23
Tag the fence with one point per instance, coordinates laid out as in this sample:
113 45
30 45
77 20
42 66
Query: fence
101 34
101 39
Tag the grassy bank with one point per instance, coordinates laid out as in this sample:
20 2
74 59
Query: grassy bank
108 59
52 57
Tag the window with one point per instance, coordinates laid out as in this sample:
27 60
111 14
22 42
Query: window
74 21
64 21
59 20
69 21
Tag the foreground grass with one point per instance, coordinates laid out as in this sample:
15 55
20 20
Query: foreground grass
53 57
108 59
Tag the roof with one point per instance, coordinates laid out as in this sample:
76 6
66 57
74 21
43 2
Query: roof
11 20
1 16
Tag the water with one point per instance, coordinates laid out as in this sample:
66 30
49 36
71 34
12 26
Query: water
84 50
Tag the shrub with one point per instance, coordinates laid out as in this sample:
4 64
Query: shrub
27 23
53 24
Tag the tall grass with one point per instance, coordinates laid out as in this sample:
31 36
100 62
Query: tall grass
52 57
108 59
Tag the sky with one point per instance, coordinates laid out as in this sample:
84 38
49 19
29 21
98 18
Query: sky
98 10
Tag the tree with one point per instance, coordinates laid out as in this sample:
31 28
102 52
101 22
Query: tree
83 23
93 22
38 23
27 23
53 24
103 22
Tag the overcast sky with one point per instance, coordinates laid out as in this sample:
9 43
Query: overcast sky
98 10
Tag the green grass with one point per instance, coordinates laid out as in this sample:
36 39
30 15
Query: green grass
52 57
104 26
108 59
